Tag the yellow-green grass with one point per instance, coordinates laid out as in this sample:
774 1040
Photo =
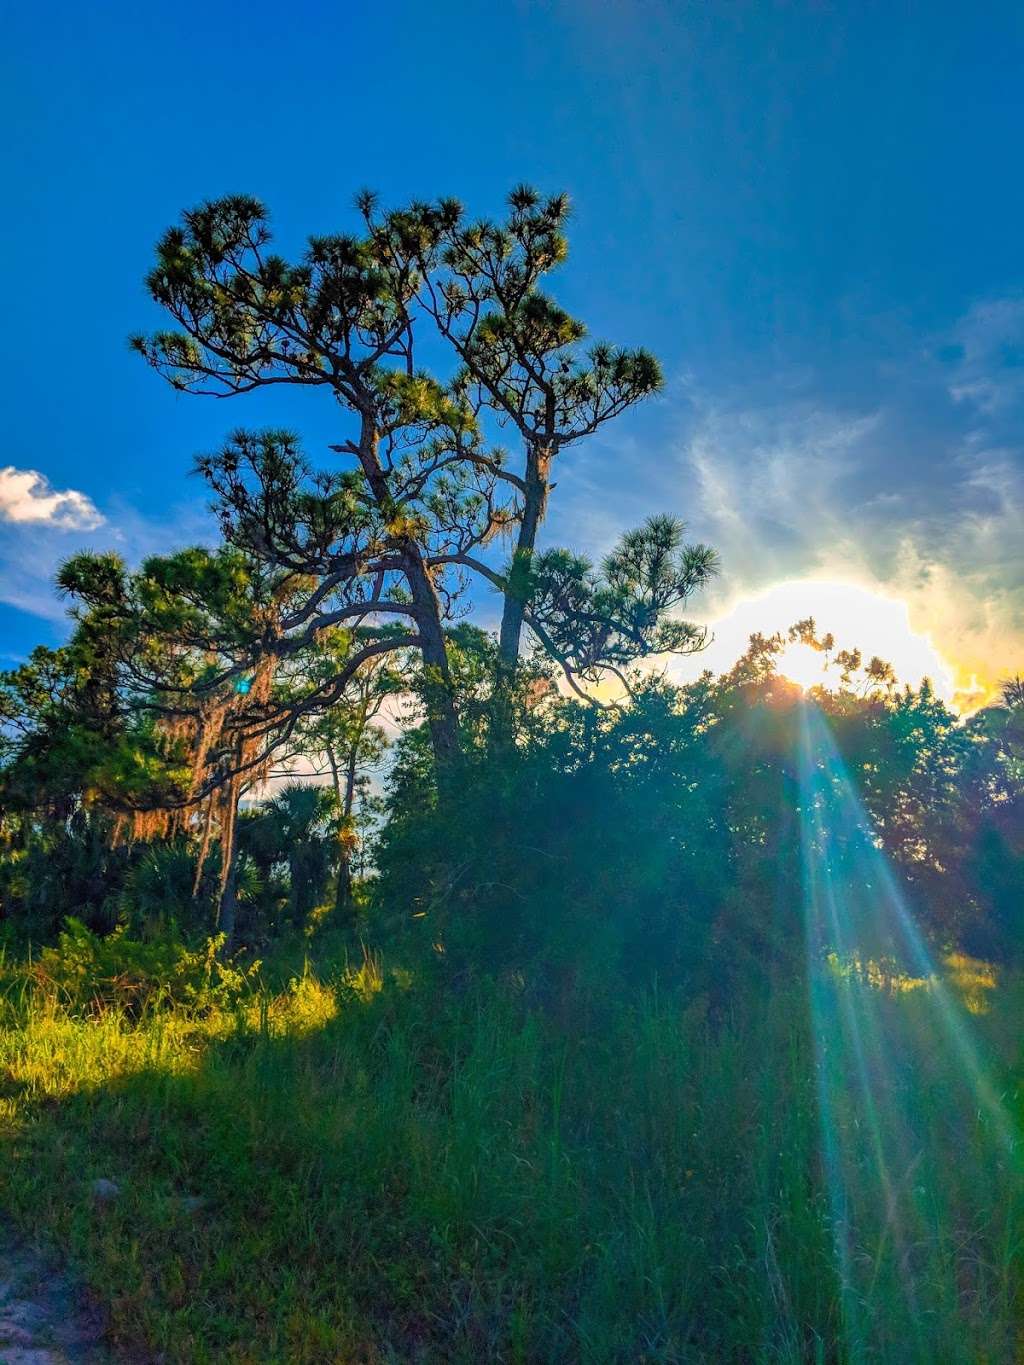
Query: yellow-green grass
392 1173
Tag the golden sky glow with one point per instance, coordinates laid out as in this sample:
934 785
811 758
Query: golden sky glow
859 617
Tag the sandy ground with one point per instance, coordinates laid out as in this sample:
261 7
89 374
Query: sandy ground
44 1319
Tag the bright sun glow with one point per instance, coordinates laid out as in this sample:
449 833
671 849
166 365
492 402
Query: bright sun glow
858 617
803 665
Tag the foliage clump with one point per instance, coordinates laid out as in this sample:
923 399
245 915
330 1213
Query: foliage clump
90 973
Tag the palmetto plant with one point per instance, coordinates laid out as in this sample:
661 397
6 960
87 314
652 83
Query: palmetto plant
158 889
300 825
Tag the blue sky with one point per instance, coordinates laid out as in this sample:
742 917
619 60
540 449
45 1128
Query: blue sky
812 213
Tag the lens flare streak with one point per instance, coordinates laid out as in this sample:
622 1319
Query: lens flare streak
872 1070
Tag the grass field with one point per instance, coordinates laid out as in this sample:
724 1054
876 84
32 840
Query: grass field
359 1168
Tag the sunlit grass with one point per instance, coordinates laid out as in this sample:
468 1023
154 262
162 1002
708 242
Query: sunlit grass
973 979
391 1174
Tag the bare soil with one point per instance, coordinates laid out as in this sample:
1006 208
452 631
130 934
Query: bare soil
44 1317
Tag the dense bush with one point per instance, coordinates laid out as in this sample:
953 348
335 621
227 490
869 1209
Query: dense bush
667 838
90 972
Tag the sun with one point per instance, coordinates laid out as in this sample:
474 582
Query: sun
858 616
804 666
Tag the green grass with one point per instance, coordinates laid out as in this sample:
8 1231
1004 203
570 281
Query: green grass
394 1175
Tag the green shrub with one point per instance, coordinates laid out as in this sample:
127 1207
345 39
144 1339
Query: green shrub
87 971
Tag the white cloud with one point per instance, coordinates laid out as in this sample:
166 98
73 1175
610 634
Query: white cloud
30 552
26 497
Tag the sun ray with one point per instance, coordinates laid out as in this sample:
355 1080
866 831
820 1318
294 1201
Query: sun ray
872 1069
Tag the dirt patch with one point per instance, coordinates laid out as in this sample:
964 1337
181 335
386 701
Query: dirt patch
44 1319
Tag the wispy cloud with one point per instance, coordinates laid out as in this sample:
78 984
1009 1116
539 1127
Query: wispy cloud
27 498
772 486
986 355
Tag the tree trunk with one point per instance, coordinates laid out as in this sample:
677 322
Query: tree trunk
343 892
343 896
227 898
294 882
441 717
442 720
343 903
538 465
228 901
